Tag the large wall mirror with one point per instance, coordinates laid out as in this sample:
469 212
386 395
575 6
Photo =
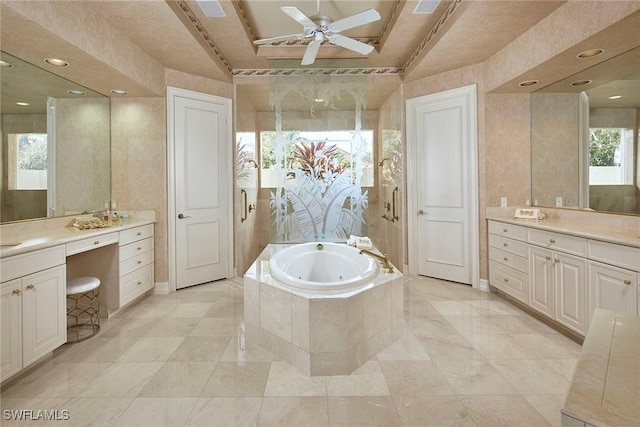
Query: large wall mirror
56 157
585 152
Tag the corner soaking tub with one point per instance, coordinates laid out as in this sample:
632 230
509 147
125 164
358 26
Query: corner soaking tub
322 267
324 309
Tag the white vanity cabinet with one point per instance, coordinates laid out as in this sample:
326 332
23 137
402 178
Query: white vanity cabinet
614 278
136 262
566 276
508 260
33 319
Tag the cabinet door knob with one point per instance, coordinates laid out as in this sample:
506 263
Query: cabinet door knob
547 258
505 258
552 240
16 292
97 242
506 280
504 230
30 287
627 282
556 260
505 244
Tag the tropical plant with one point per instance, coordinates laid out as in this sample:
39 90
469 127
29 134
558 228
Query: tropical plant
316 158
320 202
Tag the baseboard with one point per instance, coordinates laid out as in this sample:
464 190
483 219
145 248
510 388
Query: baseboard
161 288
484 285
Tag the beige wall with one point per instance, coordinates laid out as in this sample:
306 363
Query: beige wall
82 146
555 147
139 165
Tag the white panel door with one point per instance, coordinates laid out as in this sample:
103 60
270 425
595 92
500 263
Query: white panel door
444 179
201 200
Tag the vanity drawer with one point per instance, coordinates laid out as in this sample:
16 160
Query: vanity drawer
510 260
135 234
509 245
508 230
32 262
562 242
621 256
136 262
136 248
509 281
135 284
91 243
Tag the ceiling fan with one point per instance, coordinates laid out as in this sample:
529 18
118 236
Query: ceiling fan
321 27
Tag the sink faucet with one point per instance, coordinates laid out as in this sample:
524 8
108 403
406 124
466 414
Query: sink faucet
384 259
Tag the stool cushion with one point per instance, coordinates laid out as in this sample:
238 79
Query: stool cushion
78 285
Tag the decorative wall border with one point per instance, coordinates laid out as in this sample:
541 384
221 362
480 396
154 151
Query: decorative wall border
317 71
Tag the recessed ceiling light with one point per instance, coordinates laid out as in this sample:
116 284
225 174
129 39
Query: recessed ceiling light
23 104
580 82
590 53
76 92
6 64
119 92
528 83
615 97
56 62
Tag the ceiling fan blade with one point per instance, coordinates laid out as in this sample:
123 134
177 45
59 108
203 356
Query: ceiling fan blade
366 17
311 52
350 44
298 16
280 38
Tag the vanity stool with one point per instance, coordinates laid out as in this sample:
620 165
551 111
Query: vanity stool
83 306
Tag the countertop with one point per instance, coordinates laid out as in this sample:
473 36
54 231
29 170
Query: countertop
605 232
58 233
605 389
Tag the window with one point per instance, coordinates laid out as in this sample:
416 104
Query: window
610 156
338 147
27 161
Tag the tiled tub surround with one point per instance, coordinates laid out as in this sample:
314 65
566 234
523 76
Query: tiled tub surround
605 390
321 333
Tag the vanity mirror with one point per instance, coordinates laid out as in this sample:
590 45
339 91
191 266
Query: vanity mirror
55 154
585 152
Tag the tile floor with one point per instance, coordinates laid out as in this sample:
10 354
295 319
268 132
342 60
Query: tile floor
467 358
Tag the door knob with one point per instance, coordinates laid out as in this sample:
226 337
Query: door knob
180 216
421 212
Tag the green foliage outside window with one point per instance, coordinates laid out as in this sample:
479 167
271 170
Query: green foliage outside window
32 151
603 143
